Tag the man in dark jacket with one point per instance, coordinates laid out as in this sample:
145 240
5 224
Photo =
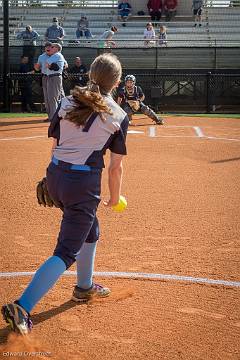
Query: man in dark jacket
80 70
25 85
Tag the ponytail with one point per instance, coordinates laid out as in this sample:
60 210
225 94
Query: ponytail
105 73
88 100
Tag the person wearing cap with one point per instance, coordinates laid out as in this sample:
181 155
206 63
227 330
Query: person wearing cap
29 37
55 33
83 28
51 63
105 39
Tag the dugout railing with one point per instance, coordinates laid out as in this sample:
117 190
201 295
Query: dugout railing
165 92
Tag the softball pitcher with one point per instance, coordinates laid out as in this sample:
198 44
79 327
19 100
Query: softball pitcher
87 124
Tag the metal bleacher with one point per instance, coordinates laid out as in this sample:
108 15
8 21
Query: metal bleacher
215 43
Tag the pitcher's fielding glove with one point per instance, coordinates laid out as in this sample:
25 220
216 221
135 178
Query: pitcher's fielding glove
43 196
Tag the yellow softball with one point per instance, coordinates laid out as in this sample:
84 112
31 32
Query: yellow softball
122 204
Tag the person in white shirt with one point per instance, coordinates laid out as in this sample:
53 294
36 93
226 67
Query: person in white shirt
149 35
105 39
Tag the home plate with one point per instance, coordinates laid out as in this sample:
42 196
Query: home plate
135 132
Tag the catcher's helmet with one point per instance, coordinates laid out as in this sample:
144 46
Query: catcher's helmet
131 78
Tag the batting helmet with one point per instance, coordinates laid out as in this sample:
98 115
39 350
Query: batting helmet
131 78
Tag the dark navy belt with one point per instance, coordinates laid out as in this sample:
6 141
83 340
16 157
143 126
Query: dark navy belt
71 166
51 75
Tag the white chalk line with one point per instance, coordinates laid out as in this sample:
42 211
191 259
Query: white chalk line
23 138
197 129
135 132
217 138
133 275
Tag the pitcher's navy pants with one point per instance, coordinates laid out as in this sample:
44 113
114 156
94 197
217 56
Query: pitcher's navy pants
78 194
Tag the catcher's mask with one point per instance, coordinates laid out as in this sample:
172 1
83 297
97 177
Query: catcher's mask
131 78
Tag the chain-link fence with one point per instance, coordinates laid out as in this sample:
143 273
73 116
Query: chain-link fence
175 92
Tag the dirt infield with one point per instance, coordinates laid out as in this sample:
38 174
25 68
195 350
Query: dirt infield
183 192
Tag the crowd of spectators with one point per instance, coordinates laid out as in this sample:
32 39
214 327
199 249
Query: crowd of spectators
56 33
78 72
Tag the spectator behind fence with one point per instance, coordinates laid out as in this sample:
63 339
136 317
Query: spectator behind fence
197 11
155 9
162 36
149 35
83 28
170 9
124 10
25 85
81 70
55 33
105 39
29 37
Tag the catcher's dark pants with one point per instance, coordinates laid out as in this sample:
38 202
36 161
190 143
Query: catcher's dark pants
144 109
78 194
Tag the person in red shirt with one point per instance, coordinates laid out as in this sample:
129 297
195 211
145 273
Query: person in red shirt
155 9
170 8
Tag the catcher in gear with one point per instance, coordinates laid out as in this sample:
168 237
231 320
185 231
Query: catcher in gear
131 98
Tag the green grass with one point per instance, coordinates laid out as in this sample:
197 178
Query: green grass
19 115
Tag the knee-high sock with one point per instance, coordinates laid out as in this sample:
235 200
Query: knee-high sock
85 265
43 280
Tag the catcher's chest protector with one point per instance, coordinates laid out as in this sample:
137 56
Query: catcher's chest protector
131 94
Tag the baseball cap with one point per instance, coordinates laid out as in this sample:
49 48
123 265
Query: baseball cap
58 46
48 43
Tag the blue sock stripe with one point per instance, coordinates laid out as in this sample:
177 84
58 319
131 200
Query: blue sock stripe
44 279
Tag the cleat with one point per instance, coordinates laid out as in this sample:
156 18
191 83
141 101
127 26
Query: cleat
159 121
18 318
83 296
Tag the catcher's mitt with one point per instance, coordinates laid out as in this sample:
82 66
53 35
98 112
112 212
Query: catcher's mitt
43 196
134 104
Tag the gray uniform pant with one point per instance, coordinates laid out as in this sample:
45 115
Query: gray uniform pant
53 92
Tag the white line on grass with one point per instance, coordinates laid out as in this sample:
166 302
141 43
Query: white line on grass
132 275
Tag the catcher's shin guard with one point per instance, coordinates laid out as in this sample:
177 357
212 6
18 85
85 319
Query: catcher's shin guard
150 113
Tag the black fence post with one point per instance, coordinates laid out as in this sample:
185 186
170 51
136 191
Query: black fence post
209 74
156 58
215 55
6 95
